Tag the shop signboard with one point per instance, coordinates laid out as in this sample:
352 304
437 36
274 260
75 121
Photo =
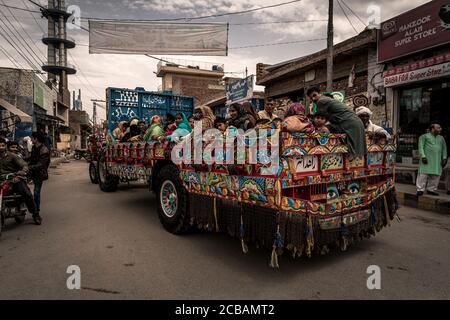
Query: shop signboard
424 27
436 71
240 90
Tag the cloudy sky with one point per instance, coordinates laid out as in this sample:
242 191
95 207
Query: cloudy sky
97 72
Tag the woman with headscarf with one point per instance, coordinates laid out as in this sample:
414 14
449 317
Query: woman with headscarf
119 132
156 129
133 132
206 116
239 117
183 127
296 121
251 114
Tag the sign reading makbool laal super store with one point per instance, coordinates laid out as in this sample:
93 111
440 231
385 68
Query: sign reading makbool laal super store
423 27
436 71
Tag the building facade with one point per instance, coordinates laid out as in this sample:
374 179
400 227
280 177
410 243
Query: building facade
414 52
27 92
200 80
354 58
80 128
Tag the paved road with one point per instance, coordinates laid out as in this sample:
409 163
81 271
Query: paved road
124 252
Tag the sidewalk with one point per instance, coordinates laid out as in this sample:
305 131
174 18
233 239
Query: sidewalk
406 195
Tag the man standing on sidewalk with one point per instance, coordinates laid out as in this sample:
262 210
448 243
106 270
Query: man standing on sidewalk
38 165
433 155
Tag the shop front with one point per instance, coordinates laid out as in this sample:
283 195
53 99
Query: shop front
414 50
421 90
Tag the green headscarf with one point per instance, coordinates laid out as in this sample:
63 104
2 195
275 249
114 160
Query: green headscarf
185 124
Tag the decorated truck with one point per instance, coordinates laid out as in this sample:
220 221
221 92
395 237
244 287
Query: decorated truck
285 191
125 104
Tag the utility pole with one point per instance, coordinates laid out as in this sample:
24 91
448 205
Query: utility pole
94 111
330 47
246 72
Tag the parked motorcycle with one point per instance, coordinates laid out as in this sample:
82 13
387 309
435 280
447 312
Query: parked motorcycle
12 205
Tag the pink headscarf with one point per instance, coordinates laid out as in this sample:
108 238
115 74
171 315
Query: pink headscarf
296 108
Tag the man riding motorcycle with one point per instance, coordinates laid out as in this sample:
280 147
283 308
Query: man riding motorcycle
10 163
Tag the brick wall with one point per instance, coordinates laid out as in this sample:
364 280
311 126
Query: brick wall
16 86
202 89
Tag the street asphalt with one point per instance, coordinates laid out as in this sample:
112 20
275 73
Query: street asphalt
123 252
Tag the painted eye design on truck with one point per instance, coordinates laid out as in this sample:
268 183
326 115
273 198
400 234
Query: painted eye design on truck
332 192
354 188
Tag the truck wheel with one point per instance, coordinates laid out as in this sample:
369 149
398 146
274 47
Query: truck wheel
172 201
106 181
93 173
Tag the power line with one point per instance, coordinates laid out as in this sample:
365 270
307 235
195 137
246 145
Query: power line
10 58
343 11
26 32
82 74
17 48
204 17
276 43
35 20
357 16
276 22
25 45
18 8
37 4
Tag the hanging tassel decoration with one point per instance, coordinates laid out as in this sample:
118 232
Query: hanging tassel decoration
386 211
278 242
215 214
344 236
241 231
309 237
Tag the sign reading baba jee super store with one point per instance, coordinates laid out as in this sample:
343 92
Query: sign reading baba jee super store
439 70
424 27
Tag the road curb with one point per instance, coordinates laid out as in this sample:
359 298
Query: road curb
424 202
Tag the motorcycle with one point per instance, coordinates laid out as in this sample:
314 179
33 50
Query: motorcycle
80 154
12 205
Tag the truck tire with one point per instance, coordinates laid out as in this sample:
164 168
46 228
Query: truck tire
106 181
93 174
172 200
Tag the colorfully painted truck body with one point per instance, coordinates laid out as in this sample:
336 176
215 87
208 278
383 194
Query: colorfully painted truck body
317 197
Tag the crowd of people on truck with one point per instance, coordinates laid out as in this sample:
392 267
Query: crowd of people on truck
331 116
26 166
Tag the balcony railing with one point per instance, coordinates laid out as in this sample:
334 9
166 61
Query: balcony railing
57 67
68 41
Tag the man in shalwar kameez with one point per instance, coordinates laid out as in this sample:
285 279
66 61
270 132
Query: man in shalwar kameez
342 120
433 157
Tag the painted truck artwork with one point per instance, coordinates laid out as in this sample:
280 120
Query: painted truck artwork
318 198
126 104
